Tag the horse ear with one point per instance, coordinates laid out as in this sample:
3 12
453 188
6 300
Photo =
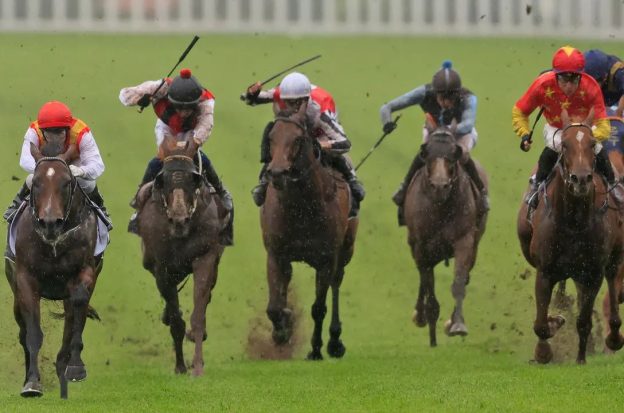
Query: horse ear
589 120
565 118
423 150
302 110
430 123
458 152
453 126
168 145
191 148
70 154
35 152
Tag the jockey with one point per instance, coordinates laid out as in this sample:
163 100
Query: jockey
322 119
55 124
564 87
616 138
185 110
444 100
608 70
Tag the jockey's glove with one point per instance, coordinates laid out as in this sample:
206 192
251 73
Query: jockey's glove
145 100
389 127
525 143
76 171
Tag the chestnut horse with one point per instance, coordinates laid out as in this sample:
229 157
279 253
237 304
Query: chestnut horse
443 222
180 226
54 259
575 232
305 218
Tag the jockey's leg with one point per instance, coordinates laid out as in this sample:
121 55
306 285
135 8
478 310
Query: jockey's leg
97 199
20 197
212 177
603 165
399 195
258 193
153 169
545 165
342 165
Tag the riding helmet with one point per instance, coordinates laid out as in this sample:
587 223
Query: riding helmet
295 86
54 114
568 59
446 79
185 90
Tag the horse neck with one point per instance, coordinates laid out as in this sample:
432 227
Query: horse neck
573 212
309 192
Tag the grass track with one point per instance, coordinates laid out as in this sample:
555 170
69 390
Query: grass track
388 365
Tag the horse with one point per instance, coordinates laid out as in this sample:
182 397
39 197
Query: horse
443 222
54 259
180 226
575 232
305 218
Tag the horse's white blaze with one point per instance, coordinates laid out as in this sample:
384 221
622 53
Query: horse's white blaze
50 173
579 136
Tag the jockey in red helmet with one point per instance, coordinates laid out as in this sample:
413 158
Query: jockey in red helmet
184 109
567 87
321 114
444 100
56 125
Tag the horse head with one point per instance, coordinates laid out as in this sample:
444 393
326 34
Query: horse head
577 155
441 154
292 148
53 187
179 184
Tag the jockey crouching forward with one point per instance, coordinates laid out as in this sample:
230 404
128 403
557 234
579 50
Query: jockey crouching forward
322 120
565 87
185 110
444 100
56 125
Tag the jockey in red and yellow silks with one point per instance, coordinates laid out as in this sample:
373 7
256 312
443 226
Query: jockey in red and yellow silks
567 88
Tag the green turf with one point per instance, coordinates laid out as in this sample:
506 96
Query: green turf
388 365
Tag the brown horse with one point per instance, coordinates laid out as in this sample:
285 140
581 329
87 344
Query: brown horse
575 232
180 226
54 247
443 222
305 218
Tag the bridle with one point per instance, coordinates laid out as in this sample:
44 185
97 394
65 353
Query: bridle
163 196
563 168
446 136
303 172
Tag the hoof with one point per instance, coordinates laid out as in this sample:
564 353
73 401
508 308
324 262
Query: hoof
336 349
314 355
614 344
75 373
419 319
197 371
543 352
581 362
191 337
32 389
180 369
455 329
281 337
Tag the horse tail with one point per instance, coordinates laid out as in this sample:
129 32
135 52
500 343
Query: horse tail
91 313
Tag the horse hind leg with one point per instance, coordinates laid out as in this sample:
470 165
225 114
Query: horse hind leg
587 296
427 306
614 339
172 316
335 347
279 276
319 310
543 326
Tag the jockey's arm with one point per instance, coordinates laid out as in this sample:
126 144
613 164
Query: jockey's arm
265 96
520 122
27 162
129 96
469 116
90 158
413 97
205 121
529 101
334 132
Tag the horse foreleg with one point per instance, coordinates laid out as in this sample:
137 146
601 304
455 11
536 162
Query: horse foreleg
31 335
319 309
279 274
22 337
205 278
172 316
427 306
587 297
62 358
543 292
335 347
465 255
80 294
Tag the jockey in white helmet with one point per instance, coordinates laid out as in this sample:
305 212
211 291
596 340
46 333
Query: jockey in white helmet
323 124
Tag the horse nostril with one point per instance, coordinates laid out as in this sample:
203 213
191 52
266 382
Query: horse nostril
573 178
589 178
59 222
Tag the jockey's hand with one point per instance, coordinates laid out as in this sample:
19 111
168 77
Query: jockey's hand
76 171
389 127
145 100
252 93
525 143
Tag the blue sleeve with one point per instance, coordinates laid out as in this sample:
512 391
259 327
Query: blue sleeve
413 97
618 80
469 116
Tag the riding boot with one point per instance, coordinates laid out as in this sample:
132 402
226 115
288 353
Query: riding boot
604 167
259 192
546 163
153 169
471 170
341 164
399 196
20 197
211 176
101 211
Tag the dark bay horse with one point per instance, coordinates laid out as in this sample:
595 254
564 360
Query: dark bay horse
575 232
54 259
305 218
180 225
443 222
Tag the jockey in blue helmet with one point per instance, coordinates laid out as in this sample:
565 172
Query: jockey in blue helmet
608 70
